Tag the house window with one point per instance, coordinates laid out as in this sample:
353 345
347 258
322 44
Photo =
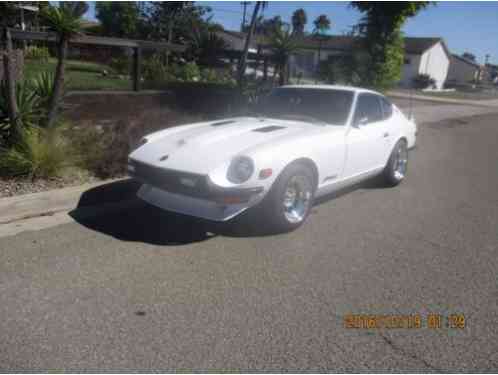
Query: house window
407 61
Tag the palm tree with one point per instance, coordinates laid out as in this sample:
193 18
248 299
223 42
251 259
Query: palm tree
65 20
243 59
321 26
299 20
282 45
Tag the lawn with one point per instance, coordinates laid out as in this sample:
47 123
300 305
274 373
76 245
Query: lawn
80 75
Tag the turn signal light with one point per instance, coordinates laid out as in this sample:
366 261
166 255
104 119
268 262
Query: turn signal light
265 173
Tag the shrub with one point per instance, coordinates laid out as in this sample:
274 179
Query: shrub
104 151
189 72
423 81
218 76
155 70
38 153
37 53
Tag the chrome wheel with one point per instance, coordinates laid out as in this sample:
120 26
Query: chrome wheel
400 161
297 198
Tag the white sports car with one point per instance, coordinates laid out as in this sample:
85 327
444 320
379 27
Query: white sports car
305 142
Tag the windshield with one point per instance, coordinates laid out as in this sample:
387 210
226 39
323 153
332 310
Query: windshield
321 106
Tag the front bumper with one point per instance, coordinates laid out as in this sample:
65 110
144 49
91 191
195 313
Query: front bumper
203 208
191 194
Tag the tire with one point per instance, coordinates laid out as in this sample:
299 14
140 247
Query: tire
396 168
284 211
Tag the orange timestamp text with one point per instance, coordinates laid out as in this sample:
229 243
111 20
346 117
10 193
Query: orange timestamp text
432 321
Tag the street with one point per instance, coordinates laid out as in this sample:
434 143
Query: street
143 290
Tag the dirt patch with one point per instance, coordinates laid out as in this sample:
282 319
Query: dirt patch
10 187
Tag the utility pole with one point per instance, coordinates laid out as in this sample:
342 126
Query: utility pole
244 4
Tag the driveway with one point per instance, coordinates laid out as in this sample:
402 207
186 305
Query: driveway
144 290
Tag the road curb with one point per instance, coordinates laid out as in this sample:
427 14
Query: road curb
492 103
71 199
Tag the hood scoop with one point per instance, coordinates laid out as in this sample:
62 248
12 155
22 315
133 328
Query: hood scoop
220 123
268 129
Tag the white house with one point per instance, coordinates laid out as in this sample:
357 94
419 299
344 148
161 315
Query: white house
422 56
463 71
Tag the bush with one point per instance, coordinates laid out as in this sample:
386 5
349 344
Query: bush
189 72
423 81
155 70
218 76
104 152
37 53
37 153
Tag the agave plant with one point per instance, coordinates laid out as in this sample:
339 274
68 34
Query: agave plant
28 112
42 86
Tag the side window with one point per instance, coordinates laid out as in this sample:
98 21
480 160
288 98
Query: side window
387 108
368 109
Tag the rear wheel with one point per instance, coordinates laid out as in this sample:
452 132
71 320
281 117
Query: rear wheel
397 165
290 200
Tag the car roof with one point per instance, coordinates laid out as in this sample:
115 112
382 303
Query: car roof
333 87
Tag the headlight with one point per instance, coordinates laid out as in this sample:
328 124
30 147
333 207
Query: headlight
240 170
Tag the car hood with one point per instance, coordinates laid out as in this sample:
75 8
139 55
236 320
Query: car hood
198 148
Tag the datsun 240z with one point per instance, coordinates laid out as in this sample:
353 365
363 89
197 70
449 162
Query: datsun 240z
305 141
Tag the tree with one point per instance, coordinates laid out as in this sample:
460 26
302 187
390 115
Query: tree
383 42
321 25
118 18
65 20
469 56
243 59
10 83
205 46
282 44
266 26
299 20
244 5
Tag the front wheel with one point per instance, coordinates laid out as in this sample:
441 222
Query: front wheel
397 165
290 200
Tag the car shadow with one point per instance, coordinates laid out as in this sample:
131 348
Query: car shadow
138 221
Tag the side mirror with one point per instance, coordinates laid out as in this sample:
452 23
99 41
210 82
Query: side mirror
362 121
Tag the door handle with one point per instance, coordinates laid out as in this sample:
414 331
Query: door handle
386 134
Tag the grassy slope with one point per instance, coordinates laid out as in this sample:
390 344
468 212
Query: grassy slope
80 75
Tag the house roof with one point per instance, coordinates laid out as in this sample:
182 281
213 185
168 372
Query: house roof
467 61
413 45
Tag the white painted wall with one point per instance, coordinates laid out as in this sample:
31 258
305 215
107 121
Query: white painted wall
409 70
435 62
462 72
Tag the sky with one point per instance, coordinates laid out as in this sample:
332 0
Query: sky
465 26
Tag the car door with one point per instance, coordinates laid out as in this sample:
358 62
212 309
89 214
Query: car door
366 140
390 128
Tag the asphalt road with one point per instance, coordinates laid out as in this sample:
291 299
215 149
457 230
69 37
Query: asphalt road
145 290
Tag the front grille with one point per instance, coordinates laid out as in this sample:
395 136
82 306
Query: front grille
170 180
